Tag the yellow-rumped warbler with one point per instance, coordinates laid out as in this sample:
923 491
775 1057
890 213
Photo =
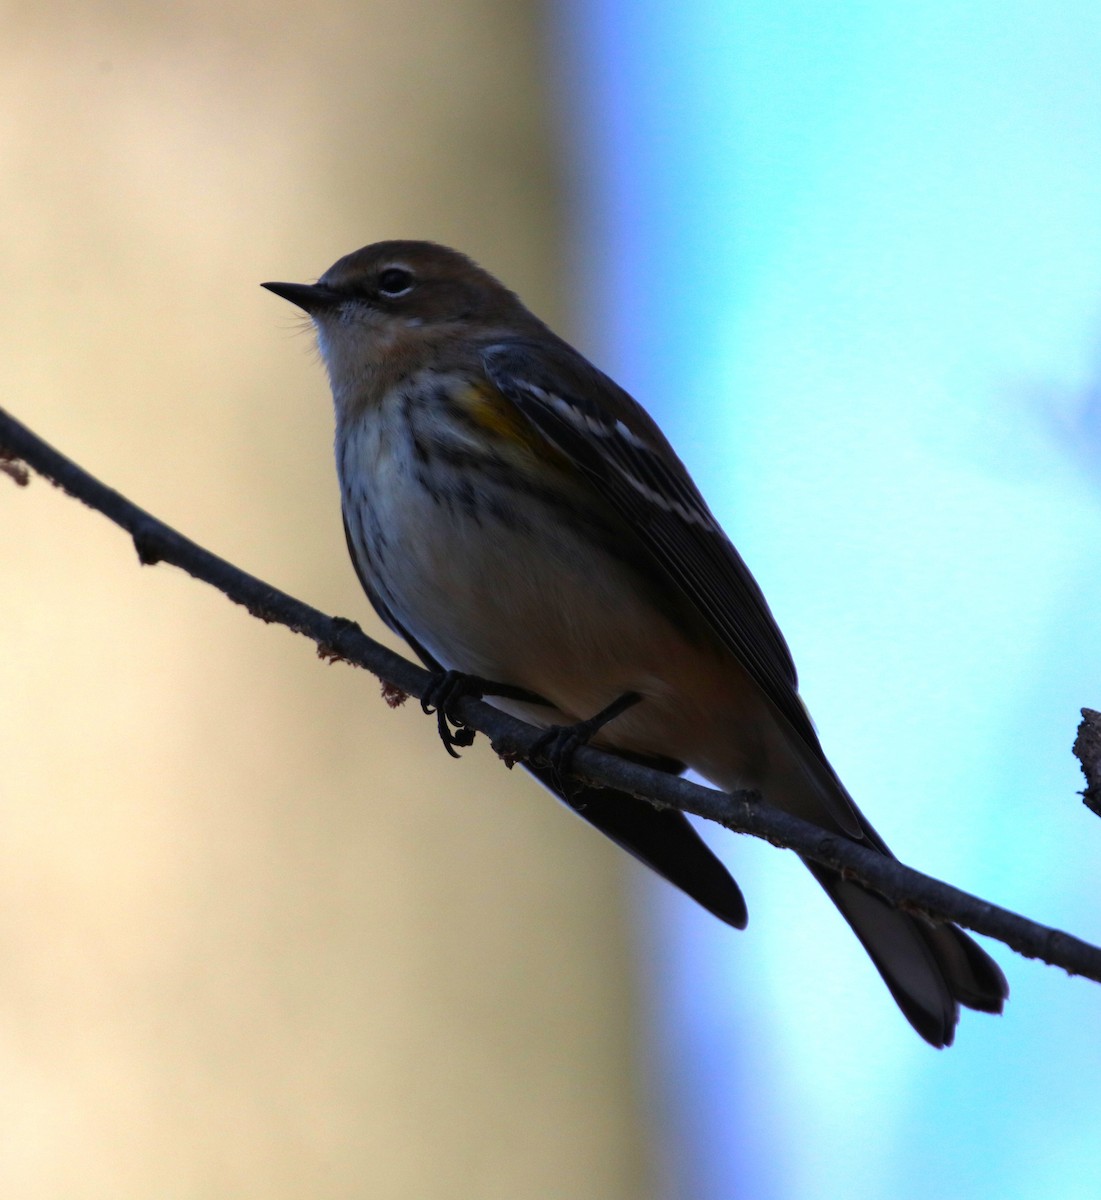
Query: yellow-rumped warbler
518 518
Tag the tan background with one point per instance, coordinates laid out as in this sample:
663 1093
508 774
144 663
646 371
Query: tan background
258 935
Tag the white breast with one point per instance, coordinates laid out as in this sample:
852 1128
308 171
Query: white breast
489 579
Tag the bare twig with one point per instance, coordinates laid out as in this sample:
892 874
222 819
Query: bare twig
1087 749
741 812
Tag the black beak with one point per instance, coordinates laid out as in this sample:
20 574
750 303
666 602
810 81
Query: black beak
311 297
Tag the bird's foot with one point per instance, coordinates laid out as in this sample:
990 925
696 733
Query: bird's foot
446 687
559 743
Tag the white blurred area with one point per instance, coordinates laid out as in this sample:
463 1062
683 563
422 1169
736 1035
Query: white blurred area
259 936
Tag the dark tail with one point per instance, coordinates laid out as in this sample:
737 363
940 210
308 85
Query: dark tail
663 839
930 969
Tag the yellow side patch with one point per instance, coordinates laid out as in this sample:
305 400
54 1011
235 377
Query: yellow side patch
485 405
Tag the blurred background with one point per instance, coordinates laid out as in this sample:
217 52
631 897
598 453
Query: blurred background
258 935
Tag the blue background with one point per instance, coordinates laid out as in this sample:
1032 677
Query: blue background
850 257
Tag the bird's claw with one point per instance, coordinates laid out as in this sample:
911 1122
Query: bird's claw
446 687
557 745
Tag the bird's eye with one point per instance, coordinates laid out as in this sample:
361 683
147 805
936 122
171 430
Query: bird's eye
395 281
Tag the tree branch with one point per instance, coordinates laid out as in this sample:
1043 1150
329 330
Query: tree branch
741 812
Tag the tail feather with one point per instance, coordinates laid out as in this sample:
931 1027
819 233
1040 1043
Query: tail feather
930 969
663 839
977 980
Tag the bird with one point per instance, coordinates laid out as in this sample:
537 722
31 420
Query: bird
527 528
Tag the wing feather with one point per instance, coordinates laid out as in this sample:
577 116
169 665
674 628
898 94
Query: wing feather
627 458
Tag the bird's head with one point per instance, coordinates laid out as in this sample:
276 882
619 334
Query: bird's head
389 304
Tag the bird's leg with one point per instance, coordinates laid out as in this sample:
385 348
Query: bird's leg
559 743
445 687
